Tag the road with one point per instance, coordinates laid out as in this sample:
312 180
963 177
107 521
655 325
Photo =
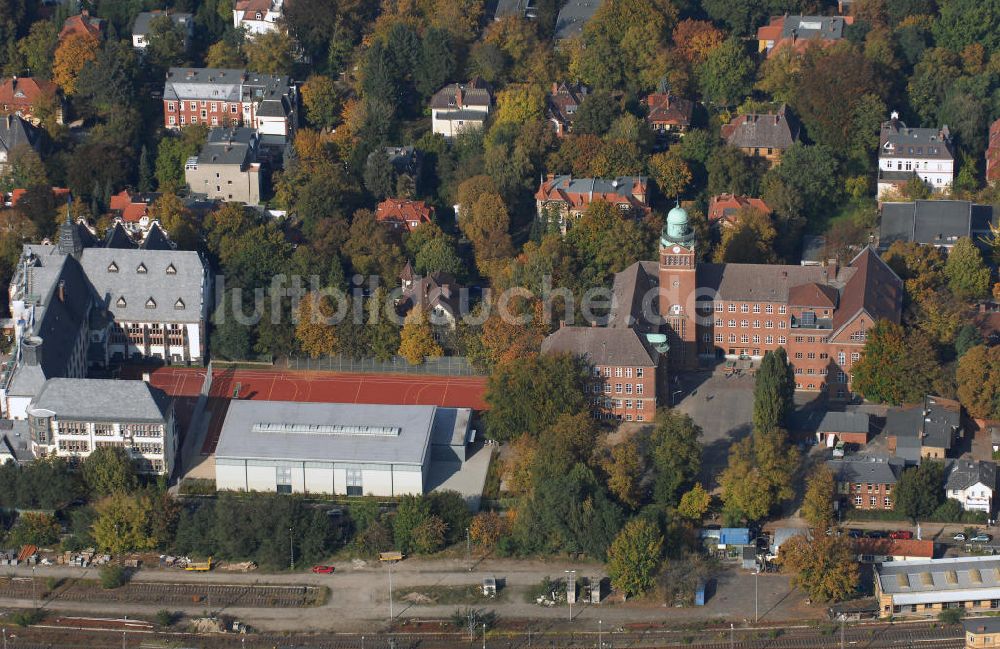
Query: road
359 598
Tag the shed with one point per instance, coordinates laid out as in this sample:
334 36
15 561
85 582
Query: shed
699 593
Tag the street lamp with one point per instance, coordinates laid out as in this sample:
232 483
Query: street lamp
291 550
674 394
600 634
391 616
468 549
755 609
34 599
484 635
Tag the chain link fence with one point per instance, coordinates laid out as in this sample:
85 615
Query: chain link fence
445 365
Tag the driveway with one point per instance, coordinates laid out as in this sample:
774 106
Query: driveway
723 407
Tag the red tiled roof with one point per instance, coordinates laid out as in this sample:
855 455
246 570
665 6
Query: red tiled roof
253 5
665 108
403 213
81 24
896 547
771 31
25 91
59 193
813 295
874 288
131 207
580 192
724 206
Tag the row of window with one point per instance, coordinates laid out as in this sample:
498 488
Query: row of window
768 324
81 428
873 501
597 388
744 338
914 608
173 121
619 372
213 106
618 404
746 308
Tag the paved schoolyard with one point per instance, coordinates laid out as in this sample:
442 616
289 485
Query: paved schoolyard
723 407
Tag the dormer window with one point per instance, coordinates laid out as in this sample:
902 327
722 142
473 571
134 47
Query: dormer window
150 303
179 304
121 304
141 268
112 267
171 270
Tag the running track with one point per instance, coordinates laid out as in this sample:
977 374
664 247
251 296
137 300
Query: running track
184 384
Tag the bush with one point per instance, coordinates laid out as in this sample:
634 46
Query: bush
950 616
113 576
27 618
165 618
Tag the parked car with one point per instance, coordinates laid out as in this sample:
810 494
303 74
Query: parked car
901 535
323 570
959 537
855 534
982 537
876 534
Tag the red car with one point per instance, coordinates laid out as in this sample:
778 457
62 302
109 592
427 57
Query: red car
323 570
901 535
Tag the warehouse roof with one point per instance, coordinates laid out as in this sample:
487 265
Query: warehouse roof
954 576
329 432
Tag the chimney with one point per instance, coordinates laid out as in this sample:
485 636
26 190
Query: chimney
62 290
31 351
85 13
833 267
13 83
458 96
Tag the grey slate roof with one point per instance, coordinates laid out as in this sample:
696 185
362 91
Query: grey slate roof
156 239
601 345
474 93
982 625
819 421
809 27
157 284
628 292
15 441
103 400
897 140
573 16
939 223
229 146
765 281
934 423
864 469
962 474
15 131
776 130
119 238
238 440
144 18
219 84
451 426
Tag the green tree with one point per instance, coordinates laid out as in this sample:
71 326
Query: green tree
164 43
967 22
379 175
124 523
773 391
35 528
623 467
759 475
270 53
634 557
978 379
173 151
437 62
146 177
920 490
967 338
694 504
596 113
322 100
416 341
528 394
895 367
223 54
968 277
412 512
383 332
438 255
39 48
671 173
731 171
726 75
676 455
826 567
109 470
817 504
749 241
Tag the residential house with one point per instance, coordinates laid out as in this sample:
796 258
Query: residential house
573 16
15 132
905 152
560 200
140 28
799 32
74 417
993 154
257 16
82 23
441 297
925 587
76 305
927 430
460 106
59 196
518 8
981 632
724 209
667 114
220 97
348 449
403 215
30 98
864 482
624 362
831 427
15 442
767 135
936 223
227 167
819 314
561 104
971 483
133 209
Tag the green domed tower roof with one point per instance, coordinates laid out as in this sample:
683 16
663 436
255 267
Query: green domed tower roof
677 230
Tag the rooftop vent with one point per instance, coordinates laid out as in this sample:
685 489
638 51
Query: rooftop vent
327 429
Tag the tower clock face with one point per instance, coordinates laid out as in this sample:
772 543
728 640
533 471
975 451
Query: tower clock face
677 249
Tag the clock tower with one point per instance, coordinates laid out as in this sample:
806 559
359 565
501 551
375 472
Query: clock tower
678 284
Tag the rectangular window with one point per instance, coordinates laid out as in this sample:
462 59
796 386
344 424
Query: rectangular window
718 338
756 339
781 309
719 307
638 404
628 404
638 372
744 323
170 105
744 339
732 308
628 388
744 308
628 372
354 486
607 388
855 357
618 388
607 372
194 105
732 323
638 388
769 340
756 324
769 309
718 322
782 340
172 120
618 372
841 358
756 308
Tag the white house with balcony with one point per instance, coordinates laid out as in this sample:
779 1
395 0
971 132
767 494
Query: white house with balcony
971 483
460 106
905 152
257 16
73 417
